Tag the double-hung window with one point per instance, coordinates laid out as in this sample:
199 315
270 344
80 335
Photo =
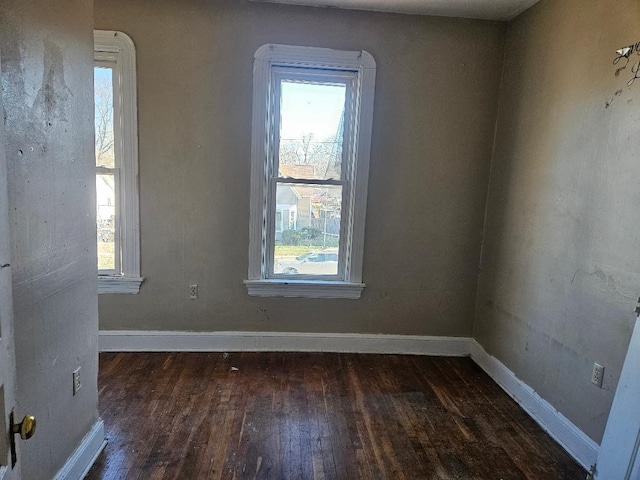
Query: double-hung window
312 115
116 156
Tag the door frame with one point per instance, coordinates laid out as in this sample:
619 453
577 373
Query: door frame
7 347
618 456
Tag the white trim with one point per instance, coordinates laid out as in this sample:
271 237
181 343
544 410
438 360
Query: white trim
119 284
302 288
361 68
577 444
161 341
78 464
314 56
119 48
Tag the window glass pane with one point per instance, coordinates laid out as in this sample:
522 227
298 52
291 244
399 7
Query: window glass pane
106 220
103 97
311 129
308 234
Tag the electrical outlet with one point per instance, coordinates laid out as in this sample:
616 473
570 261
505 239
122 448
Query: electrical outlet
193 291
597 375
77 382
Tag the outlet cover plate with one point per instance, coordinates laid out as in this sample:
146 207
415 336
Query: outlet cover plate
597 375
77 381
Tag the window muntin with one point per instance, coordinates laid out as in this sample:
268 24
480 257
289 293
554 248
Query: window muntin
310 171
116 156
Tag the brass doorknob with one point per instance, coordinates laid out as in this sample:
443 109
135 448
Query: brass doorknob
26 428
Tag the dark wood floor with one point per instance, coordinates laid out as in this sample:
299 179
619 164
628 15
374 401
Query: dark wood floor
314 416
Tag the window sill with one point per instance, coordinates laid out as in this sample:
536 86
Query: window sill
119 284
303 288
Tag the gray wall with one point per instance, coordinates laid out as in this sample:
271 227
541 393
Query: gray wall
47 59
560 266
435 110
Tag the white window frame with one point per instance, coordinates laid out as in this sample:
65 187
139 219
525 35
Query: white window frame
116 49
269 60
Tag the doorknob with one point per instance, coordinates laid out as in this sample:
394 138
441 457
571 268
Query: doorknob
26 428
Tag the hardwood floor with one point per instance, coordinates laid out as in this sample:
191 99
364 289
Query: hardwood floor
314 416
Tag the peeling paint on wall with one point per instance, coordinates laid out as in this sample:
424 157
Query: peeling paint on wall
54 92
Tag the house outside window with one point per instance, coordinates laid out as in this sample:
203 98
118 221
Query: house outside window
312 115
116 156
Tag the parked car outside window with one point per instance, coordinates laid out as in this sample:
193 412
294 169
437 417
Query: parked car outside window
323 262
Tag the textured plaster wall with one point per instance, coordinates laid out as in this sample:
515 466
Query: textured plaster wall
560 271
435 110
47 59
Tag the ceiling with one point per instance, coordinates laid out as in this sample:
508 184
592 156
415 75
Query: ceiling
485 9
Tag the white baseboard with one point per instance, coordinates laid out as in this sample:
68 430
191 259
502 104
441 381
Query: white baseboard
78 464
159 341
571 438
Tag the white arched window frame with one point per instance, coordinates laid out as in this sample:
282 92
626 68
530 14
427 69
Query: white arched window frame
357 68
116 51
